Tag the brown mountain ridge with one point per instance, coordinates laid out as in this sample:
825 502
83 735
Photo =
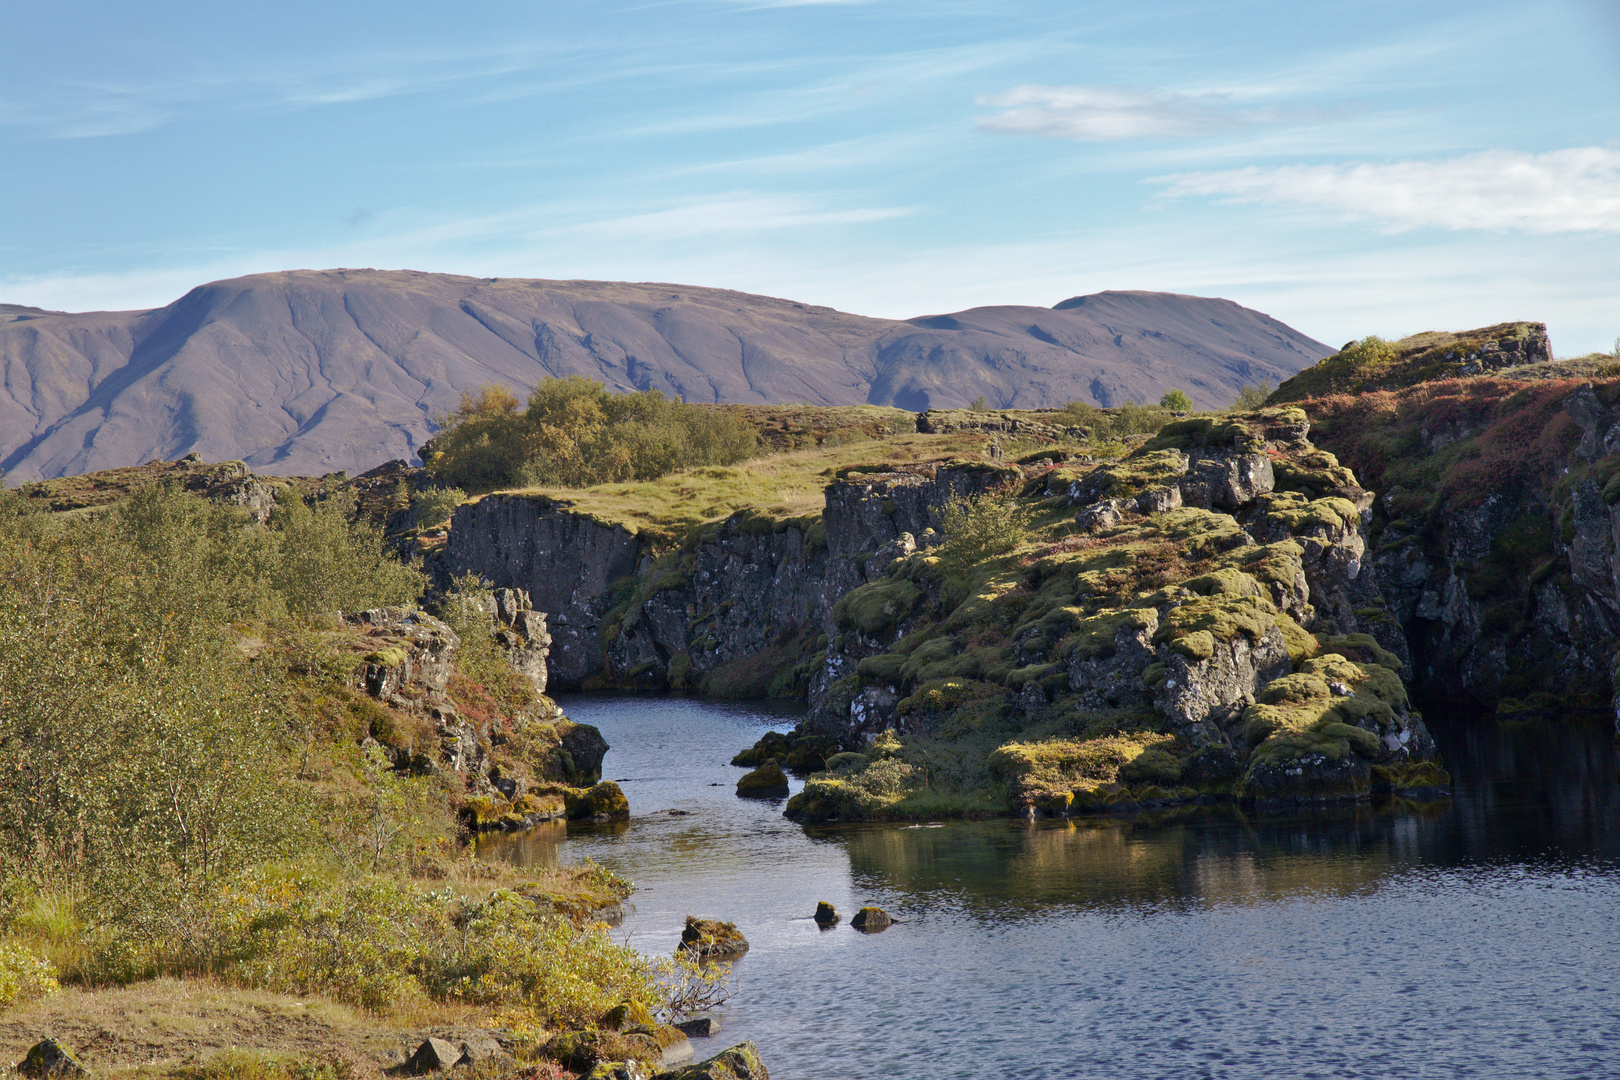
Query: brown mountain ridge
313 371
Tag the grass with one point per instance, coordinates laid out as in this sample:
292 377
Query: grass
779 487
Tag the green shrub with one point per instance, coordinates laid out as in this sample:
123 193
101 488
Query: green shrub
435 506
1252 398
24 977
980 527
575 433
1176 401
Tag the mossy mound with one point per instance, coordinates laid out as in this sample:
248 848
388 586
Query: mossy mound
766 782
711 939
603 802
1375 364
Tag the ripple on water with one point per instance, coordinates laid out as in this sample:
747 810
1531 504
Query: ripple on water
1475 938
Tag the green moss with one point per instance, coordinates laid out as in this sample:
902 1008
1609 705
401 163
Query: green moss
884 669
766 782
1155 765
392 656
876 607
604 802
1096 637
1195 646
1221 617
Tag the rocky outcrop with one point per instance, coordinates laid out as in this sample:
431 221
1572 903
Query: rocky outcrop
1511 598
565 561
519 767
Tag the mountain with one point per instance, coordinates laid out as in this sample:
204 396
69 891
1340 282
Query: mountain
312 371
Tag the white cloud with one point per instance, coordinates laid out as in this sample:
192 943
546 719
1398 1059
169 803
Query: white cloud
1111 113
1561 191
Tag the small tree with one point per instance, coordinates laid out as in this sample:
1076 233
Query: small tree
980 404
1251 398
979 527
1176 401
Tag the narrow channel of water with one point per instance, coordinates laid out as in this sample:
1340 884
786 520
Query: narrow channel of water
1476 937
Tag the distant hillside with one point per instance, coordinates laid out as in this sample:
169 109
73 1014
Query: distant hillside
314 371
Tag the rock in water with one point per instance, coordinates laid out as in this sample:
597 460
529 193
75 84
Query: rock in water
604 802
50 1058
870 920
766 782
826 914
710 939
435 1055
741 1062
701 1027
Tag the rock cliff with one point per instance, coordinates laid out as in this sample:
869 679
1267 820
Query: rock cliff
1203 602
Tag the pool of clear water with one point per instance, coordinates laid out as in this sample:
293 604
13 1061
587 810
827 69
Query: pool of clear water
1475 937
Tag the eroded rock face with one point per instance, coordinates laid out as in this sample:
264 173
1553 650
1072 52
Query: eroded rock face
564 561
408 665
1518 596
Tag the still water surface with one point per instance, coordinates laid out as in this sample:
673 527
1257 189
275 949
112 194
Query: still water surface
1475 938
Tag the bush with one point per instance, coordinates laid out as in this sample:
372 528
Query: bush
435 506
1251 398
574 433
1176 401
980 527
24 977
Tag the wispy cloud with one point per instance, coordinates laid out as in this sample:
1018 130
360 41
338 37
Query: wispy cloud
86 109
740 214
1561 191
1111 113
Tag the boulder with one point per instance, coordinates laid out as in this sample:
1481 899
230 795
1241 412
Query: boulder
740 1062
766 782
617 1070
435 1055
699 1027
711 939
604 802
871 920
826 914
50 1058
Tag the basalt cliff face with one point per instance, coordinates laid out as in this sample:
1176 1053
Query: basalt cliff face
1493 539
1197 618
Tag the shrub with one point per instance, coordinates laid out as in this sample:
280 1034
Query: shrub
1251 398
1176 401
979 527
574 433
24 977
435 506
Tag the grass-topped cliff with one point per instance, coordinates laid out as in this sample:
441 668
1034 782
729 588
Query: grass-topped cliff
1491 536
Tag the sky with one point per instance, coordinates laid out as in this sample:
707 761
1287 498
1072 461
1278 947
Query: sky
1351 167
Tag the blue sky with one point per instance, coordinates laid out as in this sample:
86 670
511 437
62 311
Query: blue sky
1349 166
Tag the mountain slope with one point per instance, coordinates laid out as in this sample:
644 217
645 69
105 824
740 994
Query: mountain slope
313 371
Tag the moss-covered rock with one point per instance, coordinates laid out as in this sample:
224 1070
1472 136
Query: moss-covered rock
711 939
740 1062
603 802
766 782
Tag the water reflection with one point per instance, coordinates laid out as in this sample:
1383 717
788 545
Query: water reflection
1392 940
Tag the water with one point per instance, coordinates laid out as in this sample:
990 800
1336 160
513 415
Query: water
1475 938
